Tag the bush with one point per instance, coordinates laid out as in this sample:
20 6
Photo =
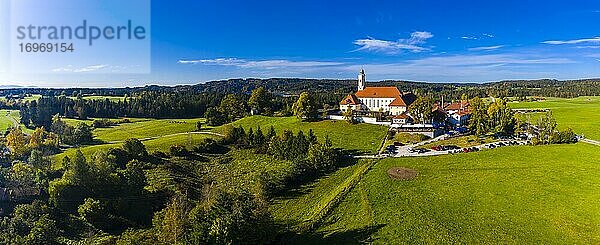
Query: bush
93 211
208 146
178 151
566 136
135 148
159 154
102 123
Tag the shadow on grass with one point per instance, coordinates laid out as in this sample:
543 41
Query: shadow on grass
355 236
303 186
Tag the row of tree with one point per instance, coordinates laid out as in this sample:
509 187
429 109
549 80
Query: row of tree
495 117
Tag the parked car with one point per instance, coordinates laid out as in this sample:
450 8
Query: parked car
422 150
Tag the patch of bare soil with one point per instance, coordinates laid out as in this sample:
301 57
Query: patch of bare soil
402 173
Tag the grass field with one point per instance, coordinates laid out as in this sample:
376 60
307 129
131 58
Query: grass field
146 128
98 97
244 168
522 194
306 206
358 137
162 144
8 119
581 114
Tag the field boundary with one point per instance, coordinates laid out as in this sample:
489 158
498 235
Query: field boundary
322 209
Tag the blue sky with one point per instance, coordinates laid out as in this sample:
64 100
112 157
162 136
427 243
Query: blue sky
435 41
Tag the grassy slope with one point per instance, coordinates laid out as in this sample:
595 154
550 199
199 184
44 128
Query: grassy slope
161 144
359 137
545 194
581 113
144 129
295 206
245 168
6 121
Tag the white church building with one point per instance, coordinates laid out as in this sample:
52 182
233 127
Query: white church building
377 99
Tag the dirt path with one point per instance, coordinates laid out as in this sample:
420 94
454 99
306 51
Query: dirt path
589 141
164 136
15 122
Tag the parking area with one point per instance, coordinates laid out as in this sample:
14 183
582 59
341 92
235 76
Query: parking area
415 150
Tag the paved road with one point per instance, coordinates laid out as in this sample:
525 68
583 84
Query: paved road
403 151
169 135
589 141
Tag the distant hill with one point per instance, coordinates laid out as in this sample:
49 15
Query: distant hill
294 86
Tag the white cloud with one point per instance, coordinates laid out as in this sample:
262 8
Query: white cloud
488 35
70 68
412 44
469 38
588 47
465 68
490 59
486 48
264 64
575 41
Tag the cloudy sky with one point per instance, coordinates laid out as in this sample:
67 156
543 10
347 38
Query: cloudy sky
434 41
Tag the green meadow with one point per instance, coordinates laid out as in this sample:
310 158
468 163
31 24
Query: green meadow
100 97
521 194
517 194
581 114
357 137
145 129
158 144
8 118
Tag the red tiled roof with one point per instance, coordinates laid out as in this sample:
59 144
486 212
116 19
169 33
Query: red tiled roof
398 102
457 106
379 92
350 100
402 116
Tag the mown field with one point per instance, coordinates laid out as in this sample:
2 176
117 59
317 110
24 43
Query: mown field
357 137
99 97
8 119
145 129
521 194
161 144
156 134
581 114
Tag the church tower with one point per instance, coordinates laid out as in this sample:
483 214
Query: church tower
362 79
